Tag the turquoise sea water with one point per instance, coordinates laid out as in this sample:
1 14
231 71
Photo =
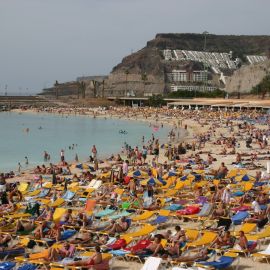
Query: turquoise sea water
59 132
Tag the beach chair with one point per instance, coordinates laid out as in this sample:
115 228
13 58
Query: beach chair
143 217
151 263
207 238
146 229
223 262
104 213
141 257
23 187
123 213
7 265
246 228
262 236
263 254
239 217
163 217
6 253
204 212
90 206
58 202
97 184
58 213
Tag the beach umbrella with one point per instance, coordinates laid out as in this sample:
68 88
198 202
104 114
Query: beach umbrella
183 178
138 174
244 178
153 181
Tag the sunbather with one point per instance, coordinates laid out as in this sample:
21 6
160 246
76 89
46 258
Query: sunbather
154 249
24 225
82 238
58 254
223 240
117 227
95 259
200 255
4 240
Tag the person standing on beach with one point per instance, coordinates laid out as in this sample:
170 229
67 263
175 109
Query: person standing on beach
94 152
19 167
45 156
26 161
62 155
125 167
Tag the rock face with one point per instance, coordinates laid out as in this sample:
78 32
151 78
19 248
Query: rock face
245 78
126 77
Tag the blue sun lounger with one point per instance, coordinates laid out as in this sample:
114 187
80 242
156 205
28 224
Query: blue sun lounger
13 252
159 220
7 265
28 266
222 263
239 217
104 213
121 214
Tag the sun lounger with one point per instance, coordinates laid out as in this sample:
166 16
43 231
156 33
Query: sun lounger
205 240
143 231
144 216
239 217
57 203
7 265
163 216
121 214
104 213
264 254
151 263
246 228
264 235
223 262
97 184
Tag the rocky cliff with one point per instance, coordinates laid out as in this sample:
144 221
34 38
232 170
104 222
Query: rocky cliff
245 78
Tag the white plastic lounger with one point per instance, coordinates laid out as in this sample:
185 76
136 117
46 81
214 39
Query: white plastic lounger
98 184
152 263
92 183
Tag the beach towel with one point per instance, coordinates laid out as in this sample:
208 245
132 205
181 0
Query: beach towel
142 244
190 210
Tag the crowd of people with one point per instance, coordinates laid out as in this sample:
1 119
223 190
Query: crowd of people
220 162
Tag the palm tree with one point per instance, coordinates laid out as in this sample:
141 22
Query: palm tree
144 79
83 88
78 89
56 85
103 88
95 84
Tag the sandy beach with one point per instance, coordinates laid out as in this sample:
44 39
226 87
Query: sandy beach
202 133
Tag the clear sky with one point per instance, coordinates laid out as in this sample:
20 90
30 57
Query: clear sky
45 40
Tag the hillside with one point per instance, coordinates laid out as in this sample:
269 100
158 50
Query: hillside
145 72
239 45
245 78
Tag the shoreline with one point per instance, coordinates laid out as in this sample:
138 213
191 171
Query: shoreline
166 124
